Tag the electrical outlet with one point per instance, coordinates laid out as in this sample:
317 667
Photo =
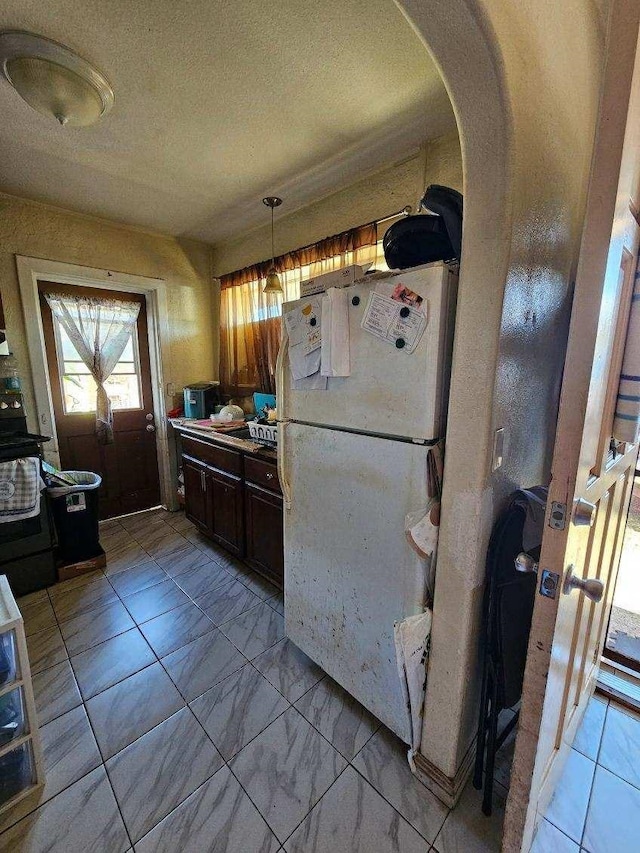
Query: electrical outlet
171 389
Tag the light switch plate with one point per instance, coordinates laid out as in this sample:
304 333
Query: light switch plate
171 389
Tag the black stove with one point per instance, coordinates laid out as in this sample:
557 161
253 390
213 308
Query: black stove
26 546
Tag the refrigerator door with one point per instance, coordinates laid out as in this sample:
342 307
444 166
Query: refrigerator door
389 391
349 570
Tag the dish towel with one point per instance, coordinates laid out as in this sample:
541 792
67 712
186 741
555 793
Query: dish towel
627 418
20 487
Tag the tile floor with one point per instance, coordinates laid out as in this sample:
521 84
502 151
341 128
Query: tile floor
176 717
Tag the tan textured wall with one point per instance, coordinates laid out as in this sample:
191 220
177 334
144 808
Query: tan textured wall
31 229
375 196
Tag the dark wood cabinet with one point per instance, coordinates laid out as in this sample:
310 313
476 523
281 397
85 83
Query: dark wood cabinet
263 530
225 494
195 492
235 499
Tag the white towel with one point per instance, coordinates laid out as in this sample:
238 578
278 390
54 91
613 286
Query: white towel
626 422
20 487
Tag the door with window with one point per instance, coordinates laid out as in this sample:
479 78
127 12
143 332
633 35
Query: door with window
128 466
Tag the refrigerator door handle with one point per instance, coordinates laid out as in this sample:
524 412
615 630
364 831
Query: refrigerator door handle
280 378
282 476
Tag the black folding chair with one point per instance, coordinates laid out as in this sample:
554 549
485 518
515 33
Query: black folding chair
508 607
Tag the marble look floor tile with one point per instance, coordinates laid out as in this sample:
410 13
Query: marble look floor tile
80 599
109 525
156 773
140 521
155 600
227 601
568 808
131 708
137 578
468 830
338 716
124 556
620 745
286 770
202 663
175 629
237 709
589 735
95 626
181 523
548 839
181 562
63 587
383 763
38 616
613 820
219 816
105 665
288 669
163 542
45 648
202 579
55 691
69 752
32 598
255 631
82 818
277 602
258 585
353 818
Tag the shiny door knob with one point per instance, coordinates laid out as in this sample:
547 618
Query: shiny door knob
151 428
525 563
149 416
584 513
592 587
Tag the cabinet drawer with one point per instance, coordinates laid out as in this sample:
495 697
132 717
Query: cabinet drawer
217 457
263 473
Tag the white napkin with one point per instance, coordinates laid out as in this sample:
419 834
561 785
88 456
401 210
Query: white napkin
334 352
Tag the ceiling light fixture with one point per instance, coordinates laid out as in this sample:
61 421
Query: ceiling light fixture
273 284
54 80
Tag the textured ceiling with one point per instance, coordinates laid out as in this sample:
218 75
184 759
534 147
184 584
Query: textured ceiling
219 102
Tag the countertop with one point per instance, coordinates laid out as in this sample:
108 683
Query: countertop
226 440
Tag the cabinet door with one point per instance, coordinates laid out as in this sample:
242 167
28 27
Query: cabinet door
226 503
265 546
195 494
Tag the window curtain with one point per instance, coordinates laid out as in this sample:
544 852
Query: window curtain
250 319
100 330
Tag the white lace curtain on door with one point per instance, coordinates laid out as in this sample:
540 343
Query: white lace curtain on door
99 329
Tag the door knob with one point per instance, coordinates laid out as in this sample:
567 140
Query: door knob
149 416
151 428
592 587
584 513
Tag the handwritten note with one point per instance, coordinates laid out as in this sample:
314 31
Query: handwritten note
393 322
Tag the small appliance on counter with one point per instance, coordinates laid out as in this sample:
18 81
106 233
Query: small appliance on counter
200 399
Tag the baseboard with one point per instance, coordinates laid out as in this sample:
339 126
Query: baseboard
446 788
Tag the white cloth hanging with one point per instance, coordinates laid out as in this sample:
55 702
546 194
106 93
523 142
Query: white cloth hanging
20 487
99 329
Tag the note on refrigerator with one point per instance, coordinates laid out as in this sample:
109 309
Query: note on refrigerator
399 324
335 355
304 324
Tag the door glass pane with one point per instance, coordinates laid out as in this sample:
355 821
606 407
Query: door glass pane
623 638
13 721
17 772
79 387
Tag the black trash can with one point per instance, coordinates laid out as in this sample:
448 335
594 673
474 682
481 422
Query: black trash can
75 512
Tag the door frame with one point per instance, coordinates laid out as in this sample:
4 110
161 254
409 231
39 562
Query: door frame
33 270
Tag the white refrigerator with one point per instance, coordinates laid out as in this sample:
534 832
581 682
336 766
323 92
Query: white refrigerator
353 465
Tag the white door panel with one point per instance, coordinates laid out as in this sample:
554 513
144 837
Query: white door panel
349 570
389 391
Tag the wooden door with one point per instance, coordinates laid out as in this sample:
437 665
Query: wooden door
227 518
195 492
591 475
129 466
264 534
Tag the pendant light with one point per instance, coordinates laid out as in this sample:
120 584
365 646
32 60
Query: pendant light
54 80
273 284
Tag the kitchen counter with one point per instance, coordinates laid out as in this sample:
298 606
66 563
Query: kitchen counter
246 445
